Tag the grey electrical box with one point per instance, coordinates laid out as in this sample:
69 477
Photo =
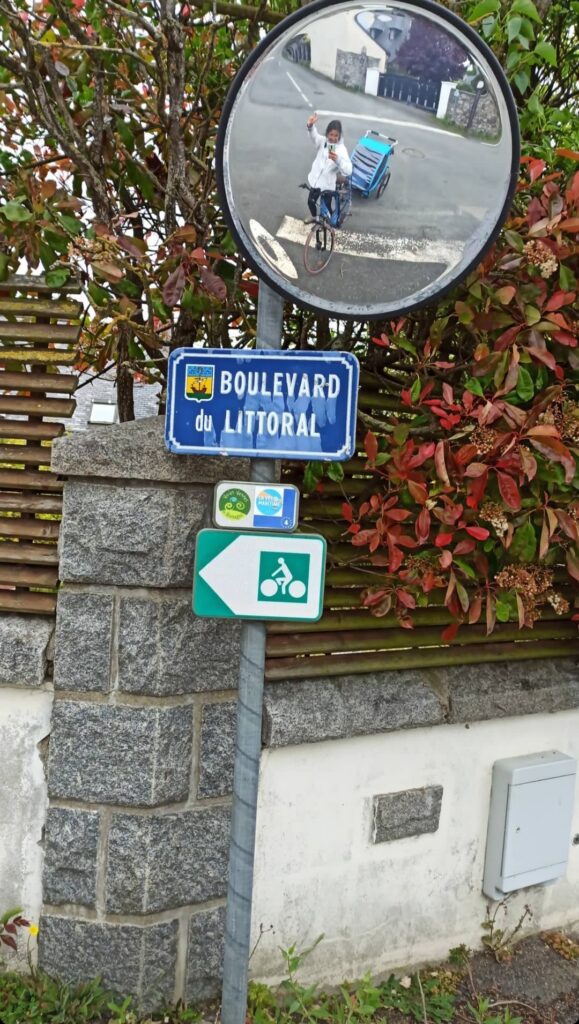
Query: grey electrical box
530 819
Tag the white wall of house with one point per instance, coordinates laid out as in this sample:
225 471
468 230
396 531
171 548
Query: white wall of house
24 722
337 32
404 902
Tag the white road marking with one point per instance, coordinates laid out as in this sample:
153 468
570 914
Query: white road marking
369 118
302 94
380 247
271 250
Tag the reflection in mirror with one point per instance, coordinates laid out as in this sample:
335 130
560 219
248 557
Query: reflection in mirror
367 157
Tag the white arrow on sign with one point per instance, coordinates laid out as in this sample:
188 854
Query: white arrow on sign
282 586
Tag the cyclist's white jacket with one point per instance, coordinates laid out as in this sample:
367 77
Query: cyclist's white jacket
324 171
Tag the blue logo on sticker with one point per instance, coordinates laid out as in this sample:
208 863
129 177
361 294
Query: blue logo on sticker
269 502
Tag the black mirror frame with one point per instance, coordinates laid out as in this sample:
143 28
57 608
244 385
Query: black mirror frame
294 19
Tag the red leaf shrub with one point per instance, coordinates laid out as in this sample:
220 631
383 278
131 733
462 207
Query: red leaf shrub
475 488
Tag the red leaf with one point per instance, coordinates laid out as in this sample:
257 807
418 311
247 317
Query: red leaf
475 469
464 547
509 491
475 610
174 286
440 463
347 512
213 284
558 300
383 341
536 168
371 446
418 491
396 558
443 539
450 632
448 394
476 490
551 448
8 941
565 338
397 515
445 559
478 532
491 614
423 525
543 430
573 564
406 599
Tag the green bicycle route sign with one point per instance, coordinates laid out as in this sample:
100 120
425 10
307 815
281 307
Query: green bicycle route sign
259 576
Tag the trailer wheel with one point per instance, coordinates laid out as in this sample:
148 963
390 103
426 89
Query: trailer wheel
382 186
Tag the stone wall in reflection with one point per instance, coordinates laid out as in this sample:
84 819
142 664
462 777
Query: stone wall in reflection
478 115
351 68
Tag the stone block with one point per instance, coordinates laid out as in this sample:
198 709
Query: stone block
137 451
24 641
167 860
130 959
315 709
70 856
165 649
120 755
130 536
411 812
82 642
218 724
205 955
478 692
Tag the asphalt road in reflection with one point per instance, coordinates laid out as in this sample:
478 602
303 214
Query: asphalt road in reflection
441 188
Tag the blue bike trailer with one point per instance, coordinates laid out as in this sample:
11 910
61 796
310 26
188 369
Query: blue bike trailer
370 159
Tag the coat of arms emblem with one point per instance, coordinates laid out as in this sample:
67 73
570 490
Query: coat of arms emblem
199 382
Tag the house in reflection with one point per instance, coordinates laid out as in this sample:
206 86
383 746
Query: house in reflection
389 29
338 48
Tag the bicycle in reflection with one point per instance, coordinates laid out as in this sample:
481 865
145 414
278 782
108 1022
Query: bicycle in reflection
332 208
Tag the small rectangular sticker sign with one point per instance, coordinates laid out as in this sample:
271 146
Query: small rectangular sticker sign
247 506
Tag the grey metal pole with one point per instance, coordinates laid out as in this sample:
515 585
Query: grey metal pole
248 746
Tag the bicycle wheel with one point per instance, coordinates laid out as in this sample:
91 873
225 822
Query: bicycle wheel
318 248
382 187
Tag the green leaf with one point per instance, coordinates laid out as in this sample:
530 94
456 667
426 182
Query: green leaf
547 51
71 224
527 8
503 610
475 387
312 476
525 386
403 343
15 212
514 27
566 278
483 8
99 295
524 544
522 80
514 240
57 277
335 471
415 390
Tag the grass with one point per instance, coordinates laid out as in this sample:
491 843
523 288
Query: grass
443 995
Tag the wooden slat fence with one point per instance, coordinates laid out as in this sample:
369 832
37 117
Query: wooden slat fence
348 639
38 338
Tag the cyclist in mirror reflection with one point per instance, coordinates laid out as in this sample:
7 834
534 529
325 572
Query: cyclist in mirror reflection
331 162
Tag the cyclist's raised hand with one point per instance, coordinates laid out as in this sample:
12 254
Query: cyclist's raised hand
312 120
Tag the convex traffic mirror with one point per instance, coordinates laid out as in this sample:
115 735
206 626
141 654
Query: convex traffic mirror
367 155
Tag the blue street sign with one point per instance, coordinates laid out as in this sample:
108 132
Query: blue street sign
262 404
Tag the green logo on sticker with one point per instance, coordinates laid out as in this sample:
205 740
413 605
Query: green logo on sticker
234 503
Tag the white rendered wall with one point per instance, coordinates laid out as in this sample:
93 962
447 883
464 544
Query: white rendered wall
24 722
400 903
